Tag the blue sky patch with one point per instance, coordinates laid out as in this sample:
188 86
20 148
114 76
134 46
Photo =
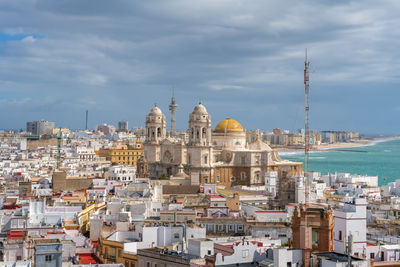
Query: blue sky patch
5 37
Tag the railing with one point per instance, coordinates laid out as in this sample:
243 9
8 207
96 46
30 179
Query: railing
385 239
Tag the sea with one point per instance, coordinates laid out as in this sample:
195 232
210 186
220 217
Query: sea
378 158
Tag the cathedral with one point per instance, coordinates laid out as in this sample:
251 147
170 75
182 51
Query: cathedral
203 155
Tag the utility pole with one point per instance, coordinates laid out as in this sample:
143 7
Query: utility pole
349 249
307 129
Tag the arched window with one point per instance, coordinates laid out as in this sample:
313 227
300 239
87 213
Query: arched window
198 134
206 159
158 132
192 132
203 133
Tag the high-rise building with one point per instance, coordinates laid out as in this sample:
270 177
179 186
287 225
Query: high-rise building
122 126
41 127
106 129
277 131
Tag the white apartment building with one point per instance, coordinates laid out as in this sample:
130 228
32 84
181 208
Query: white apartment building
351 220
270 182
124 174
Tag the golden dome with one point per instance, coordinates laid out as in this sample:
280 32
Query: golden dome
229 126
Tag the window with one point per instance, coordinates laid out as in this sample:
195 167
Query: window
176 235
242 176
48 258
240 227
132 264
243 160
220 227
340 235
148 264
205 159
245 253
126 263
315 238
372 255
19 258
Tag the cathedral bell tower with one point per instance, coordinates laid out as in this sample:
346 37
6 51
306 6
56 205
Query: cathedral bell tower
155 132
200 127
155 126
199 149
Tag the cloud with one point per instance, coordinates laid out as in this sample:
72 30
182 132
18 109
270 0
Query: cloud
118 58
94 79
219 87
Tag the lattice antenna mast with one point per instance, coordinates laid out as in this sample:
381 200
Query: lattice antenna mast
307 126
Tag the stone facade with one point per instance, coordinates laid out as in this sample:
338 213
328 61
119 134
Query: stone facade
312 230
63 183
221 156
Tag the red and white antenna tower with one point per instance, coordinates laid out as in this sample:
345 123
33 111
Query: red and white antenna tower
307 129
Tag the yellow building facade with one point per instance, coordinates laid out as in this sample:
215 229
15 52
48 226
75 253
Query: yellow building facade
126 155
296 140
113 252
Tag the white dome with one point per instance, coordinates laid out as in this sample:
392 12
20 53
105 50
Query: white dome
155 111
200 109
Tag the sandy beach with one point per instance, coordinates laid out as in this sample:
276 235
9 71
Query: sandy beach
358 143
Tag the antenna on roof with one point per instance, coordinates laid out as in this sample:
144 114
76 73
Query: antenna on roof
307 130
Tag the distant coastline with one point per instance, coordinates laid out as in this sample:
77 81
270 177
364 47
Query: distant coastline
342 145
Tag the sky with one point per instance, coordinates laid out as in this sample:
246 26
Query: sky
242 59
